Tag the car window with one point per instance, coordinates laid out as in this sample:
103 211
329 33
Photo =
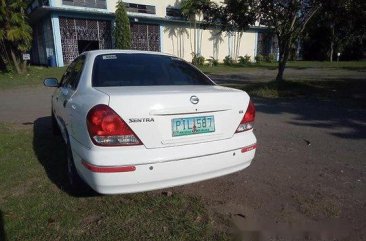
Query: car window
71 77
144 70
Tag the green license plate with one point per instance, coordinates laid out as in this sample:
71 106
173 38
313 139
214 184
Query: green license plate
193 125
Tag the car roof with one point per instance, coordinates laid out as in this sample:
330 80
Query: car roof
95 53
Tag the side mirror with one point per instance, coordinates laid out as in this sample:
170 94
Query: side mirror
50 82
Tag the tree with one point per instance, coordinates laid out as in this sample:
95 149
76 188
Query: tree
288 19
234 17
337 27
122 31
334 17
193 10
15 33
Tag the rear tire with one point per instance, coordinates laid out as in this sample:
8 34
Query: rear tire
77 185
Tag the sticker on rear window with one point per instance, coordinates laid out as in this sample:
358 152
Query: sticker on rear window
110 56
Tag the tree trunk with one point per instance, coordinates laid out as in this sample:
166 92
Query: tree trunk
195 36
332 44
201 33
239 43
331 51
285 46
190 36
15 62
199 40
281 70
4 59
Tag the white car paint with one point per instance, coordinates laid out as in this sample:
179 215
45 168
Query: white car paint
162 160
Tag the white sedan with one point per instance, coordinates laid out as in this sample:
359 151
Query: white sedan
136 121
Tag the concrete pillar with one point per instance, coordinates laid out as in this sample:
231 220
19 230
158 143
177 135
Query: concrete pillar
57 40
161 38
255 46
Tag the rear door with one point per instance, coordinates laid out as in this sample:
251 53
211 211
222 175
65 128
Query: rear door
67 109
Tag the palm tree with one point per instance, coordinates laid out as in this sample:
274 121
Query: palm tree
15 33
193 10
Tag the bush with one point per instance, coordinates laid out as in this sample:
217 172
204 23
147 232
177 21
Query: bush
244 60
228 60
122 31
198 60
212 61
259 58
271 58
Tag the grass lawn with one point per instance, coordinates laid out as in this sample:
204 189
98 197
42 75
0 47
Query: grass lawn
35 204
351 91
348 65
34 77
302 83
324 80
37 74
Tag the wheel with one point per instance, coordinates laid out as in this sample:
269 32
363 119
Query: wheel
77 185
55 128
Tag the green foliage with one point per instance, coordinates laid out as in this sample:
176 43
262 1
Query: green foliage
198 60
288 20
122 31
259 59
244 60
191 8
337 27
213 61
228 60
233 15
15 33
270 58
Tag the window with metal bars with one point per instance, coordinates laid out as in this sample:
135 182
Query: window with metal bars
140 8
86 3
174 13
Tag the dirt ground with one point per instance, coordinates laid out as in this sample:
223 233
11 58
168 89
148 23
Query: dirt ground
308 179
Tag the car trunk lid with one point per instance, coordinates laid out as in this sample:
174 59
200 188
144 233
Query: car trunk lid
163 116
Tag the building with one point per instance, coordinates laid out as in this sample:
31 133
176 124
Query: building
65 28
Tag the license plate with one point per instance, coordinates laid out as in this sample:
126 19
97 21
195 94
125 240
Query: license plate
193 125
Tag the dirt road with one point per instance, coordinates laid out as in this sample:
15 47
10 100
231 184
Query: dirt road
308 180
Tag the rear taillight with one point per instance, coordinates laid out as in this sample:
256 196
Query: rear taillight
106 128
248 120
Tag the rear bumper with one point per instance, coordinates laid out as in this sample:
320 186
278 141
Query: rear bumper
163 167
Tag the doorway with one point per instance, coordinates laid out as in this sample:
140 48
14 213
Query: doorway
78 35
87 45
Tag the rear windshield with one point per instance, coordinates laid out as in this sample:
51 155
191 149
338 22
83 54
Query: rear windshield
144 70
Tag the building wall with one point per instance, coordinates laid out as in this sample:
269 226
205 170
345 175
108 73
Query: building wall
211 43
160 6
177 38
